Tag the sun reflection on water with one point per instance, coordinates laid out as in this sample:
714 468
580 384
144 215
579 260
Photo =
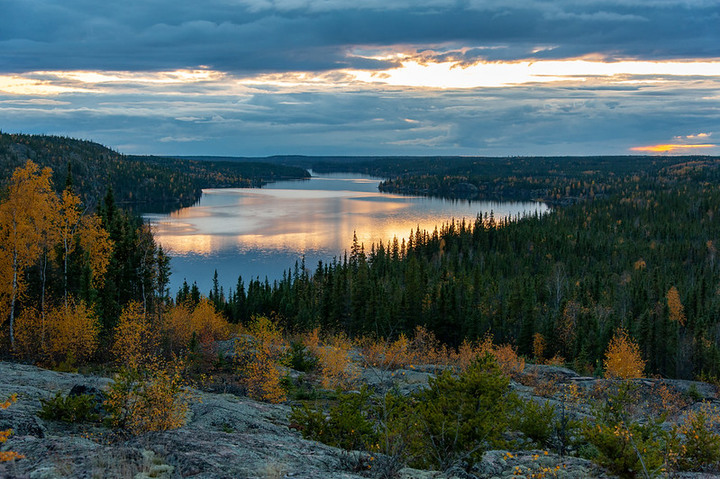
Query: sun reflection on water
316 218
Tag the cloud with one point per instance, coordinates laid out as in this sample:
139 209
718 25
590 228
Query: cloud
701 136
260 77
179 139
35 102
334 114
301 35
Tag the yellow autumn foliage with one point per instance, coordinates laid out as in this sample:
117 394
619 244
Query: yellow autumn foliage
539 346
96 242
67 334
24 219
6 456
203 322
149 397
335 363
259 354
135 340
387 354
675 307
622 358
72 332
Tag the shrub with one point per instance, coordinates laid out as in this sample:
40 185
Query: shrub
6 456
151 397
508 360
536 420
301 358
426 348
505 355
458 418
665 400
178 327
466 353
80 408
203 323
348 424
259 355
625 446
701 446
30 331
67 334
453 421
387 354
336 367
627 449
73 332
694 394
135 341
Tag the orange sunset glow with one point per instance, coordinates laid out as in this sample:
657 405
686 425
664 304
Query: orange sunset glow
671 147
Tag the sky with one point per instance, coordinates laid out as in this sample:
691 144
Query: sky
366 77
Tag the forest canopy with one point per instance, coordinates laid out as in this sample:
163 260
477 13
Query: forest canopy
148 180
630 245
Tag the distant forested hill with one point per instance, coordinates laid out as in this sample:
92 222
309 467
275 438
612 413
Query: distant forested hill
556 180
134 179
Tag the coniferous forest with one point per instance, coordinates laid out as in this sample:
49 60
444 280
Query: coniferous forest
631 242
637 251
618 280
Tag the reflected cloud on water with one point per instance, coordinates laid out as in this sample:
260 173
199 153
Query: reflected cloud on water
257 232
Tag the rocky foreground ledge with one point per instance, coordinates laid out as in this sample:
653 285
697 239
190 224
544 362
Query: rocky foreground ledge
226 436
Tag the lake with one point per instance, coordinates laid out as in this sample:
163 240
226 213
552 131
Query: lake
262 232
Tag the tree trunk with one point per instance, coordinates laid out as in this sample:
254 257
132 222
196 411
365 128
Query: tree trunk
42 298
12 299
65 271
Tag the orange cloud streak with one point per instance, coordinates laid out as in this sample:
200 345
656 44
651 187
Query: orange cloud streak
669 147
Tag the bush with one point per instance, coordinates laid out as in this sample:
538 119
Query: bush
622 358
451 423
458 418
135 341
68 335
701 446
694 394
301 358
536 420
627 449
260 355
203 324
152 397
80 408
625 446
6 456
336 367
348 425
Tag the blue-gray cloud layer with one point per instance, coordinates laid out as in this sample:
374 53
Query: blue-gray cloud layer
527 120
243 38
281 35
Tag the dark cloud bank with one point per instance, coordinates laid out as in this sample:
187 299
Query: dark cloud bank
262 36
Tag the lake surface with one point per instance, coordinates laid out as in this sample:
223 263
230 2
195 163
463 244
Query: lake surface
262 232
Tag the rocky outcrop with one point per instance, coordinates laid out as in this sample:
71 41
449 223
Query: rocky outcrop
226 437
232 436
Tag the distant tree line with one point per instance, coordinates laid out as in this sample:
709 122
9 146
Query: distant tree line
554 180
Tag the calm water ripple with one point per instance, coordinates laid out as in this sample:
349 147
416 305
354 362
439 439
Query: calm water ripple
259 232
